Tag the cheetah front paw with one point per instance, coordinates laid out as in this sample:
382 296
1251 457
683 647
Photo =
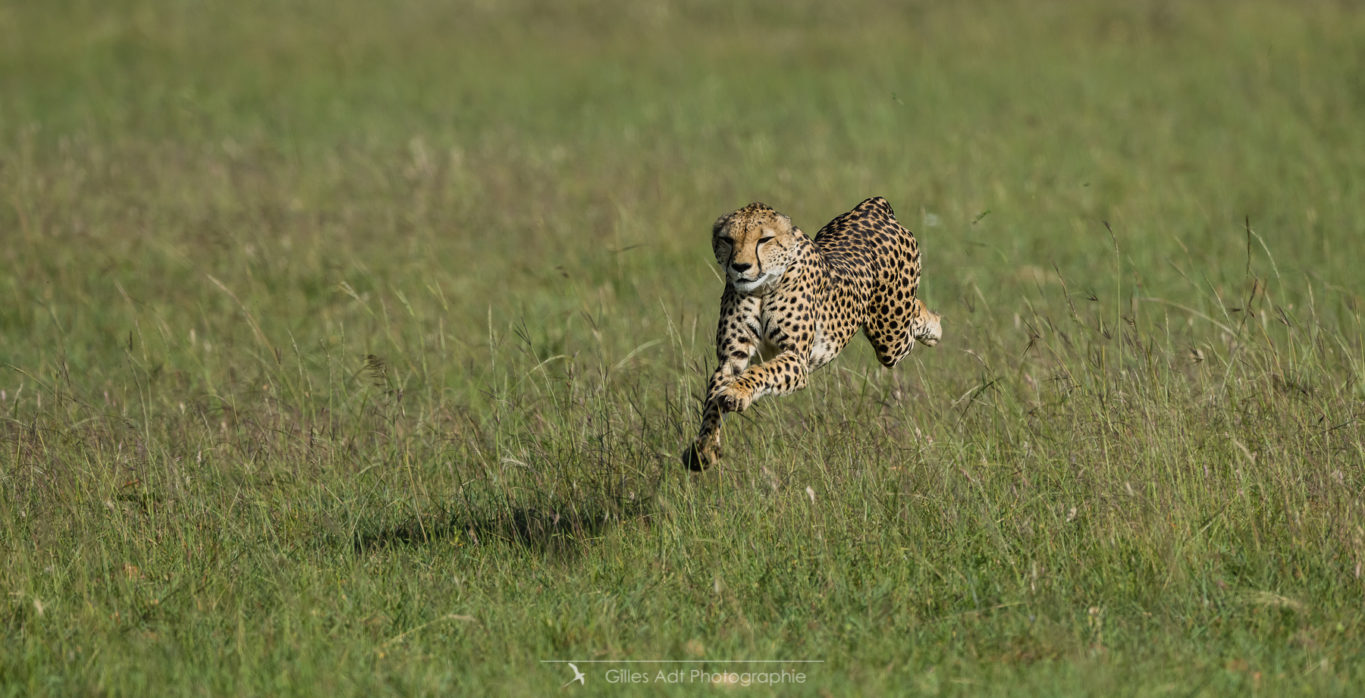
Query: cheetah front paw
734 398
702 453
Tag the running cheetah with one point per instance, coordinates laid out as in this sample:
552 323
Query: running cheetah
796 302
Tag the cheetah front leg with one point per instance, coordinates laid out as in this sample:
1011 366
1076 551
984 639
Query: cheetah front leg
736 344
706 449
784 373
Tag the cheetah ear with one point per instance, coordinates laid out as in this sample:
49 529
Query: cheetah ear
787 223
720 223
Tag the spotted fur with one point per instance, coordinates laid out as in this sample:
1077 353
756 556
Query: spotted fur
796 302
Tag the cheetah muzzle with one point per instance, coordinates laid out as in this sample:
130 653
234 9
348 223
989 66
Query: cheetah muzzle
799 301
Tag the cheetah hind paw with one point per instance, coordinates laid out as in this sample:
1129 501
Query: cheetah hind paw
931 330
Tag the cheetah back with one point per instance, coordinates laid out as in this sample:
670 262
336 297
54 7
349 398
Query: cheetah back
874 264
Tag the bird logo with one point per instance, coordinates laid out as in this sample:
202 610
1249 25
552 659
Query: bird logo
577 676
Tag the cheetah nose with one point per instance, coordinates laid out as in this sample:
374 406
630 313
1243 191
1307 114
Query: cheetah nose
741 268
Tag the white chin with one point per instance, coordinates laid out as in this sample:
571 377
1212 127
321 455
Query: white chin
751 286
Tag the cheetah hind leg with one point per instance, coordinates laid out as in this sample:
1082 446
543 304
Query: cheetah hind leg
893 345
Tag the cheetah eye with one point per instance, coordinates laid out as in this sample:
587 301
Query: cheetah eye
765 238
726 241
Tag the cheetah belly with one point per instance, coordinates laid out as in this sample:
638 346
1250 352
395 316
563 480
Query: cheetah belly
822 350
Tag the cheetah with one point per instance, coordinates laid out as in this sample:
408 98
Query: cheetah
795 302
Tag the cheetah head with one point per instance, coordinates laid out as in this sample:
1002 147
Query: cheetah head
754 246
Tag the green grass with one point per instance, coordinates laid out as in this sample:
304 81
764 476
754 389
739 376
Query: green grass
349 348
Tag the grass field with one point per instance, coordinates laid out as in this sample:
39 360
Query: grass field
349 348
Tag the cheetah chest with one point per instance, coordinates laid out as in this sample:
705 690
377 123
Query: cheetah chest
778 323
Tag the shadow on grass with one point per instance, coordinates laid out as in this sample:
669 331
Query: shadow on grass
556 528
